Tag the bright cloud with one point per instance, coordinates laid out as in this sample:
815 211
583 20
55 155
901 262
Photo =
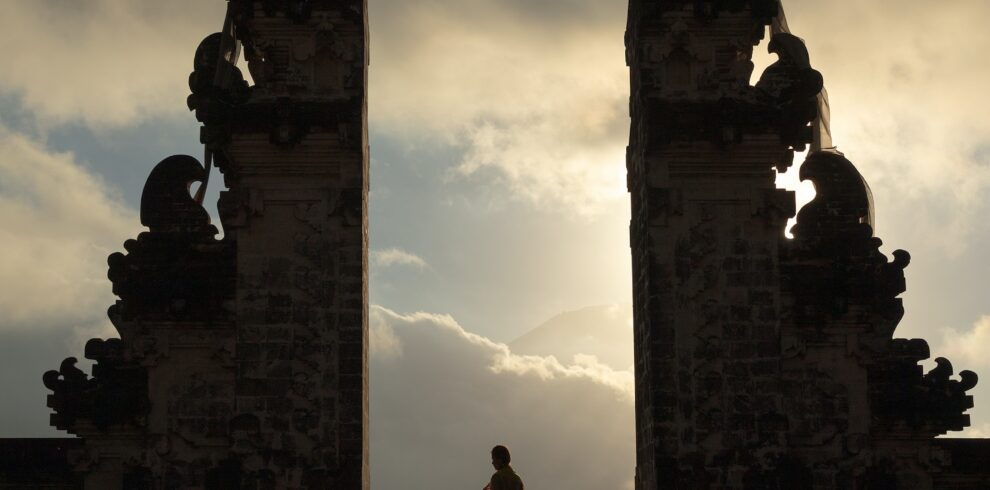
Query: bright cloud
536 93
58 223
906 82
395 256
981 431
967 350
605 332
447 396
104 62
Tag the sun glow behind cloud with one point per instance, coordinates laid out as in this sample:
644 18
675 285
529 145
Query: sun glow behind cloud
541 105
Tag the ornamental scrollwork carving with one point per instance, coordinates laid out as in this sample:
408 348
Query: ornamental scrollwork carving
837 274
792 86
928 404
177 268
116 394
217 87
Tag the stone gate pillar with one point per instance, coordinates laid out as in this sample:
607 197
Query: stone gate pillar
765 362
707 221
296 165
242 360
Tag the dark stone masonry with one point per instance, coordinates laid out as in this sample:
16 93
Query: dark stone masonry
242 361
762 362
766 362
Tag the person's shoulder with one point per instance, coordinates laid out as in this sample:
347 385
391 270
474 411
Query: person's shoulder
504 475
516 480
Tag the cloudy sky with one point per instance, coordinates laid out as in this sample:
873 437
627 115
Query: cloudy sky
498 205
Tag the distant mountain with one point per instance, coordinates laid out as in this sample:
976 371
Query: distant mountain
603 331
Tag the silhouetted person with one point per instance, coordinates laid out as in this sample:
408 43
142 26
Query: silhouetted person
504 478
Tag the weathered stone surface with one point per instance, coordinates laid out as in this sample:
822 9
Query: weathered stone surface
242 361
38 464
763 362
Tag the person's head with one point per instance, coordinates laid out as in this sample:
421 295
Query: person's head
500 457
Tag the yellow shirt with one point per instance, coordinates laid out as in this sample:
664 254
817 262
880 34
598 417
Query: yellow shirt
506 479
